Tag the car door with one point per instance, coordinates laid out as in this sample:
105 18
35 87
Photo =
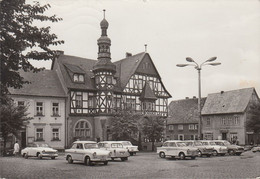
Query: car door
172 149
79 151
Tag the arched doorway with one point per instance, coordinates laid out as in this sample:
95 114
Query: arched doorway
82 130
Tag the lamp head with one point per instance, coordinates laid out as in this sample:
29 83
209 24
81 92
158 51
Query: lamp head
182 65
189 59
214 64
211 59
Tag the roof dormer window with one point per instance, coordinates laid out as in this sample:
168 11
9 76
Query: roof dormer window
79 78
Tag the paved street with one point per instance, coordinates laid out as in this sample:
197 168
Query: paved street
143 165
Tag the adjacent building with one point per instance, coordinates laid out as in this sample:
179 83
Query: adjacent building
225 114
182 122
45 99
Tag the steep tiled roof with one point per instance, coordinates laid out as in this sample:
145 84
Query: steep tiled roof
184 111
43 83
234 101
126 67
77 65
147 93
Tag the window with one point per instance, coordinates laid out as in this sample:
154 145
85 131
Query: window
236 120
20 103
39 134
55 134
180 127
208 136
78 100
55 109
39 108
82 129
78 78
109 80
196 126
171 127
191 127
208 121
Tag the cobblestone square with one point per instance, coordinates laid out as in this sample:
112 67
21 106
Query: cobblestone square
143 165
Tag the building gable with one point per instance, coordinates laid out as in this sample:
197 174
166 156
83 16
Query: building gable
146 66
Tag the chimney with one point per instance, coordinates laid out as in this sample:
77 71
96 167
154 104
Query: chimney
222 92
60 52
187 98
127 54
194 97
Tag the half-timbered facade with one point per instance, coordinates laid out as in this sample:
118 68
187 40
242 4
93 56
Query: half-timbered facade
97 89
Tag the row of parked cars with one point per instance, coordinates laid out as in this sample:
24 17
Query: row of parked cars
197 148
88 152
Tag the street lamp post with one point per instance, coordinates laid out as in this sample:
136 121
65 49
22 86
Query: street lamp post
199 67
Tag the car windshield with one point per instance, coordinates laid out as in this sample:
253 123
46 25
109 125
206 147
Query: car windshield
227 143
116 145
126 143
42 145
212 143
198 143
220 143
205 143
188 143
90 146
181 144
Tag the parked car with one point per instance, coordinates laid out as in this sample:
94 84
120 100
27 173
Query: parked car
232 149
256 149
203 149
177 149
40 151
87 152
132 149
116 148
217 149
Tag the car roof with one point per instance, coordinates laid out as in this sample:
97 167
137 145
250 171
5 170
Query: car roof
83 141
110 142
175 141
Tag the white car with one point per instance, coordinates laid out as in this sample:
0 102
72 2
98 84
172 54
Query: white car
177 149
87 152
217 149
132 149
116 148
256 149
40 151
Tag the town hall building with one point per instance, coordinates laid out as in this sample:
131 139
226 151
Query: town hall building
96 89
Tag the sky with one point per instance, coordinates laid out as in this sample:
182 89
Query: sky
172 30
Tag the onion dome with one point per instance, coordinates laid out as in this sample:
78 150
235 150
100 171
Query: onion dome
104 24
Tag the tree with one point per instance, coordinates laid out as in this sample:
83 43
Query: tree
253 122
153 128
22 41
13 119
124 125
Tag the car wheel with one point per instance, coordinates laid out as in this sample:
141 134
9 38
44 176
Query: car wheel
181 156
162 154
105 163
123 159
88 162
131 153
26 156
199 154
112 158
215 153
70 159
52 158
193 157
238 153
231 152
23 155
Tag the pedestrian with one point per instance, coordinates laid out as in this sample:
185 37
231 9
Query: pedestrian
16 149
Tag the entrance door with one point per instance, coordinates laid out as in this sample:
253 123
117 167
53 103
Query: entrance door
224 136
23 141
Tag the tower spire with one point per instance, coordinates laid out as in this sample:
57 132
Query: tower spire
104 10
145 47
